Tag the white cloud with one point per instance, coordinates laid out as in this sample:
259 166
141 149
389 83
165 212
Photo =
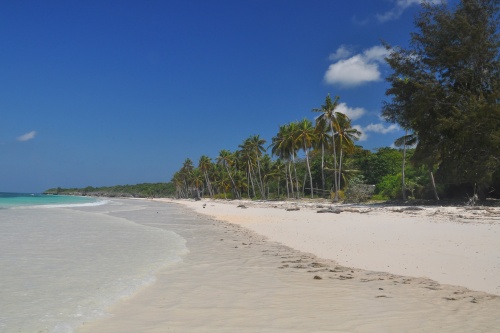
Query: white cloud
363 136
342 52
352 113
358 69
375 128
401 6
27 136
380 128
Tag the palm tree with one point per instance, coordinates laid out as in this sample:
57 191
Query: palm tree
305 136
346 137
226 159
205 164
284 147
251 153
257 147
405 140
329 116
197 181
322 139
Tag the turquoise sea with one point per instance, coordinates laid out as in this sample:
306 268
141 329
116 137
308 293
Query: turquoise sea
11 200
65 260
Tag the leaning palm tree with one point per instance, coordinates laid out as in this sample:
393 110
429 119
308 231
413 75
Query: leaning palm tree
329 115
305 136
226 159
205 164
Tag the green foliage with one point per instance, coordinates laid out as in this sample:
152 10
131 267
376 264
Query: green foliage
385 161
390 186
145 190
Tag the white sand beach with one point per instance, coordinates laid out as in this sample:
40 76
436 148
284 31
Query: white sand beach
262 268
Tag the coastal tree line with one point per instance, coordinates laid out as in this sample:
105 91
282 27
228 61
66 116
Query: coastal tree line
444 92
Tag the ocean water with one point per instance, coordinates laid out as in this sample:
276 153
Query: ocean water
64 261
13 200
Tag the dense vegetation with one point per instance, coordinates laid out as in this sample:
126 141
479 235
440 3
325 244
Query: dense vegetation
146 190
444 91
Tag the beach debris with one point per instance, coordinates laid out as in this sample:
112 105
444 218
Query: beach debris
407 209
242 206
330 210
317 277
292 209
317 265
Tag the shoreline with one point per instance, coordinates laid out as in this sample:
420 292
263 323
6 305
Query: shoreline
236 280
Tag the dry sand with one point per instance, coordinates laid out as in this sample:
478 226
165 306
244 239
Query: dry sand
237 280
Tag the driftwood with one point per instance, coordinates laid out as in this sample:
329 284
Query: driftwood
334 211
242 206
292 209
406 209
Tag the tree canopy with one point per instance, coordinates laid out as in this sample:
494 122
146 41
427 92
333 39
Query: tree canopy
445 88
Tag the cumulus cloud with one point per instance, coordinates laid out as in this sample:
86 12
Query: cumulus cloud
26 137
375 128
342 52
401 6
357 69
352 113
381 128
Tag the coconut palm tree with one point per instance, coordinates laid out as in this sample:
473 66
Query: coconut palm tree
322 142
283 146
251 153
305 136
406 140
329 116
205 164
226 159
346 135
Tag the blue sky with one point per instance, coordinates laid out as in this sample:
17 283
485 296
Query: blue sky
122 92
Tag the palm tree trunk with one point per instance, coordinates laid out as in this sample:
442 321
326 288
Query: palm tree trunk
309 170
262 189
336 198
296 177
323 167
209 186
403 171
232 182
339 183
286 180
251 179
248 186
